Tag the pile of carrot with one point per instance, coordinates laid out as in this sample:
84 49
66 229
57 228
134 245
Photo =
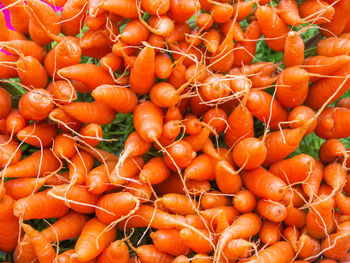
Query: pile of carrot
225 184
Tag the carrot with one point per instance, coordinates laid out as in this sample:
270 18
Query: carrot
242 9
68 256
244 201
294 170
181 10
148 121
62 92
175 185
299 116
319 220
214 199
42 247
97 44
127 9
6 103
39 205
36 104
169 241
237 248
116 252
9 152
98 76
76 197
87 112
122 100
244 226
241 125
24 251
129 169
291 234
270 232
245 50
318 12
93 239
221 13
144 69
227 179
333 46
155 171
255 179
272 27
91 134
177 203
337 245
342 202
64 146
273 211
15 122
134 146
23 187
66 53
212 40
97 179
337 24
308 246
156 7
6 66
42 20
149 254
72 14
142 192
164 95
149 216
332 123
37 164
113 207
264 107
335 176
293 50
249 153
67 227
223 59
134 33
111 62
9 225
18 16
288 10
281 252
201 168
295 196
163 66
344 103
64 121
331 150
198 243
25 47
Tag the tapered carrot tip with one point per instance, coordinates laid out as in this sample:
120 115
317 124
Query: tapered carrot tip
28 229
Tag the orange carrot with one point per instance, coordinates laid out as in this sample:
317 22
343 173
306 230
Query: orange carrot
42 247
93 239
142 75
39 163
39 205
9 225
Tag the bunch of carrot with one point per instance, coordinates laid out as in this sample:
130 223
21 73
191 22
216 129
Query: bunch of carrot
223 182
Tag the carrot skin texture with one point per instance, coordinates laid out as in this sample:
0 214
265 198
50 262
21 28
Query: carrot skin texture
42 247
38 206
333 123
321 90
88 246
9 225
35 165
254 179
